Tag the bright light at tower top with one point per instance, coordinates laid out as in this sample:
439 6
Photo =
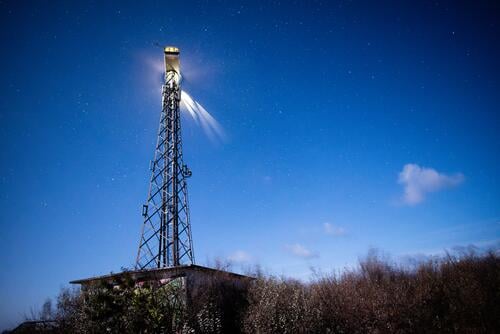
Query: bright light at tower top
199 114
172 64
172 49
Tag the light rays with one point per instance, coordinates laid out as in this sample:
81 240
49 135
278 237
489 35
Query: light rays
202 117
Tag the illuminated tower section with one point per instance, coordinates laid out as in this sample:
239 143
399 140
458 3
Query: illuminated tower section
166 233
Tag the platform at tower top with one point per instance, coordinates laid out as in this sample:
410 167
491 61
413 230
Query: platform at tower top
193 274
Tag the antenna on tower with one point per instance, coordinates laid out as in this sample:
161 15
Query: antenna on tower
166 233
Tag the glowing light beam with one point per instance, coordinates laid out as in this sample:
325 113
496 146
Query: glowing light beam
202 117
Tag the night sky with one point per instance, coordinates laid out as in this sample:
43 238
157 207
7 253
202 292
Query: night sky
348 125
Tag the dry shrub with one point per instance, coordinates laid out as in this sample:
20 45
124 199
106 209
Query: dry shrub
455 294
280 306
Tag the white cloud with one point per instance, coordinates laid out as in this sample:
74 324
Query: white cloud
331 229
240 257
300 251
418 181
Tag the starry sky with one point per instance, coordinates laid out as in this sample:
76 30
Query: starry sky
348 125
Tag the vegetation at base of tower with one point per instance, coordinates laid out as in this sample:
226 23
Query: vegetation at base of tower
452 294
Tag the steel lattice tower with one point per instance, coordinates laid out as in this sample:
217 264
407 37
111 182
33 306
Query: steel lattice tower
166 233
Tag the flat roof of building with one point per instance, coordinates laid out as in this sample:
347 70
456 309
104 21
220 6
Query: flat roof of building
147 274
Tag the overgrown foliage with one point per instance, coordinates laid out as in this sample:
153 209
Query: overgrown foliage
450 295
128 309
455 294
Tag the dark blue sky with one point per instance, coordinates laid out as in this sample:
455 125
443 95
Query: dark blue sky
349 125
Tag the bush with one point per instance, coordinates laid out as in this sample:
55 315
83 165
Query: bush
450 295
